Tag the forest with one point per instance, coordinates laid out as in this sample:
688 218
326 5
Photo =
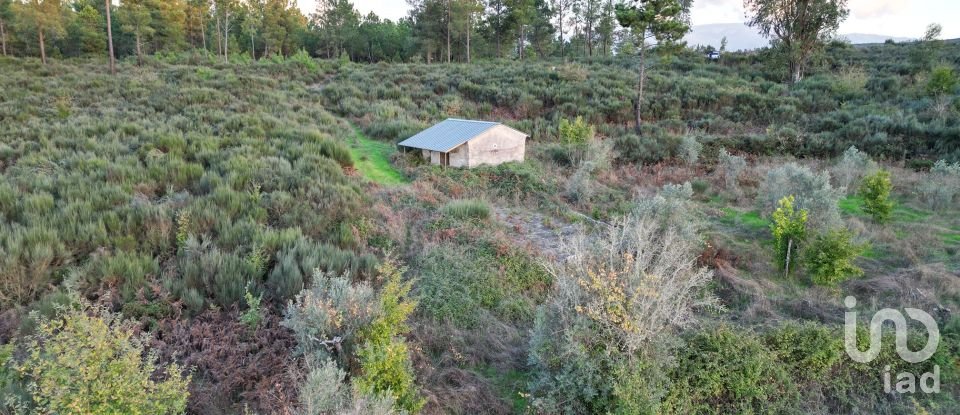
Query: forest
237 30
219 220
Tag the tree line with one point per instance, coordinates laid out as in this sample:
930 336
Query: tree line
433 31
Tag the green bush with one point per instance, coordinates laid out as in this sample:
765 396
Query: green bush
829 258
384 358
808 351
575 132
468 209
723 371
87 360
875 191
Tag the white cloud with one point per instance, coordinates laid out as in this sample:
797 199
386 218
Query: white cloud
867 9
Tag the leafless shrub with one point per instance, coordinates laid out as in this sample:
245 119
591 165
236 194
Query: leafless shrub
730 166
942 185
580 187
853 166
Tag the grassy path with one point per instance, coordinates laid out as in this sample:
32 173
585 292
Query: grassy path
372 159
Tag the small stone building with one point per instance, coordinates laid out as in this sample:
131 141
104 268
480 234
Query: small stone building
466 143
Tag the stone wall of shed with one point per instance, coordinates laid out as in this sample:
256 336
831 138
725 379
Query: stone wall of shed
495 146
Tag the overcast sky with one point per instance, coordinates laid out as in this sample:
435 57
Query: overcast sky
906 18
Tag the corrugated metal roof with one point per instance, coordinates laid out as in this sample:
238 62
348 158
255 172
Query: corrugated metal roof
447 135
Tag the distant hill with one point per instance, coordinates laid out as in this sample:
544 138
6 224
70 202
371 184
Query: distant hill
859 38
741 37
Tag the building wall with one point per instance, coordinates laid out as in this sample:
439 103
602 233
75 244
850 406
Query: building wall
460 156
497 145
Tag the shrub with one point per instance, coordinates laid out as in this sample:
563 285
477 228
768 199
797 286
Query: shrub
812 192
336 151
611 300
731 166
581 186
875 191
298 260
28 259
324 392
809 351
830 256
87 360
327 317
575 132
854 165
253 315
789 229
943 81
942 185
220 276
723 371
384 359
467 209
690 149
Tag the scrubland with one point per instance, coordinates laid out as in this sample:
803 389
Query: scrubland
248 230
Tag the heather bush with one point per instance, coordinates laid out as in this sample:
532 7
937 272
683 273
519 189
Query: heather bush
88 360
468 209
812 192
875 191
128 272
296 262
29 258
206 270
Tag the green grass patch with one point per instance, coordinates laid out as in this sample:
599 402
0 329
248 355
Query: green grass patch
904 213
852 205
750 220
950 238
372 159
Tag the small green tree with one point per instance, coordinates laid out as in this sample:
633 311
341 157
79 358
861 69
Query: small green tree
87 360
829 258
943 82
575 132
384 358
789 230
875 191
